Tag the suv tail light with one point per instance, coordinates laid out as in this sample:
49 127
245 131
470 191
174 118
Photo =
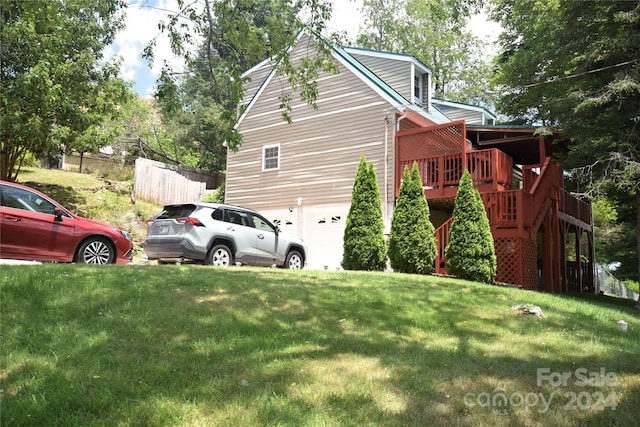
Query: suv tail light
192 221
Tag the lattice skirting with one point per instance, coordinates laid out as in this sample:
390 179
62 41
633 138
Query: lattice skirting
517 262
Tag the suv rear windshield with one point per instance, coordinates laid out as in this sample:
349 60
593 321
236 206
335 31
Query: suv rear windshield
176 211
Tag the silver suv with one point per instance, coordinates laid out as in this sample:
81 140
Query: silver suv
220 235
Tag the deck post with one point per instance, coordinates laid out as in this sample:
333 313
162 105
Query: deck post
463 135
564 232
541 149
441 166
494 166
557 253
591 262
547 262
578 259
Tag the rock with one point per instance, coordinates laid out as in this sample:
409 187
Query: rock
528 309
622 325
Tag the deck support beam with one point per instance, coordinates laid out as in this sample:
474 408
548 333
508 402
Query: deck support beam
557 253
547 259
578 259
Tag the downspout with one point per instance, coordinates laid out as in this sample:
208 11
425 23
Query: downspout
386 166
226 187
404 114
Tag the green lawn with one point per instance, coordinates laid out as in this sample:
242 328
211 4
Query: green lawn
202 346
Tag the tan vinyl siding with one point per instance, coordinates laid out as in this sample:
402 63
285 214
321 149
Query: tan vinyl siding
426 91
319 151
255 79
470 116
395 73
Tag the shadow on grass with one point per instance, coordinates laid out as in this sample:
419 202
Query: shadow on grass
603 300
176 345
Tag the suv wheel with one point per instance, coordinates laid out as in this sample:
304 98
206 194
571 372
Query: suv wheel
294 261
220 256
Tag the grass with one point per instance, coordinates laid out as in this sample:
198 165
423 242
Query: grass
91 197
195 345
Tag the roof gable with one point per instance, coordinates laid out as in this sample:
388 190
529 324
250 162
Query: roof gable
342 55
402 57
473 114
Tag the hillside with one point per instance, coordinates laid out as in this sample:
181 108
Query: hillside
96 197
195 345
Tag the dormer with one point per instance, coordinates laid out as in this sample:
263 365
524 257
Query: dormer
472 114
421 76
403 73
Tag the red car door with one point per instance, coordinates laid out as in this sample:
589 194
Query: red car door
31 229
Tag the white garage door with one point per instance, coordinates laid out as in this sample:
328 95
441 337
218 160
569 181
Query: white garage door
323 233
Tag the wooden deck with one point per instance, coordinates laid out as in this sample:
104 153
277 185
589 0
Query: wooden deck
516 215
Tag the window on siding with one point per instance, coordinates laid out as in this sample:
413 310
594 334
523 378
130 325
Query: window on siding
271 157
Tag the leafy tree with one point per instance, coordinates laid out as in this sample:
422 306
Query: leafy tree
364 245
56 89
412 241
470 253
217 196
140 131
576 65
381 30
433 32
606 229
229 38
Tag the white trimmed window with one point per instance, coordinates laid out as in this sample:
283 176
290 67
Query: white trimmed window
417 89
270 157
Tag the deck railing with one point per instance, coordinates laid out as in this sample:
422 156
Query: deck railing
575 207
504 208
490 166
521 210
539 184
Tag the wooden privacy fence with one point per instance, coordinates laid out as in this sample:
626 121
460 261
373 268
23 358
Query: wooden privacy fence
164 184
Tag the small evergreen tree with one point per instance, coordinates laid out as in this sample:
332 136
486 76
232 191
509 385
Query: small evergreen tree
470 253
364 245
412 242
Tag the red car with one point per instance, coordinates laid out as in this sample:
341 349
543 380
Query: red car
35 227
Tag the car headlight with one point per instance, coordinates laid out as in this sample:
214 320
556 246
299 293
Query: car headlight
126 235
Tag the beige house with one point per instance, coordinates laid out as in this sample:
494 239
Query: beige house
301 174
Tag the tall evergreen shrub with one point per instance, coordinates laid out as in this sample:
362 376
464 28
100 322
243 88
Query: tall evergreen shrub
470 253
364 245
412 242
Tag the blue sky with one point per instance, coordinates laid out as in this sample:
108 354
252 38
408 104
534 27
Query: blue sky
143 16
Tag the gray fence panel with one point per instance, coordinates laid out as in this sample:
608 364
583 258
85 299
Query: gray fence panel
606 282
160 183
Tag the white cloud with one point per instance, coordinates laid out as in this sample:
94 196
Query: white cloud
143 16
486 30
141 26
346 17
